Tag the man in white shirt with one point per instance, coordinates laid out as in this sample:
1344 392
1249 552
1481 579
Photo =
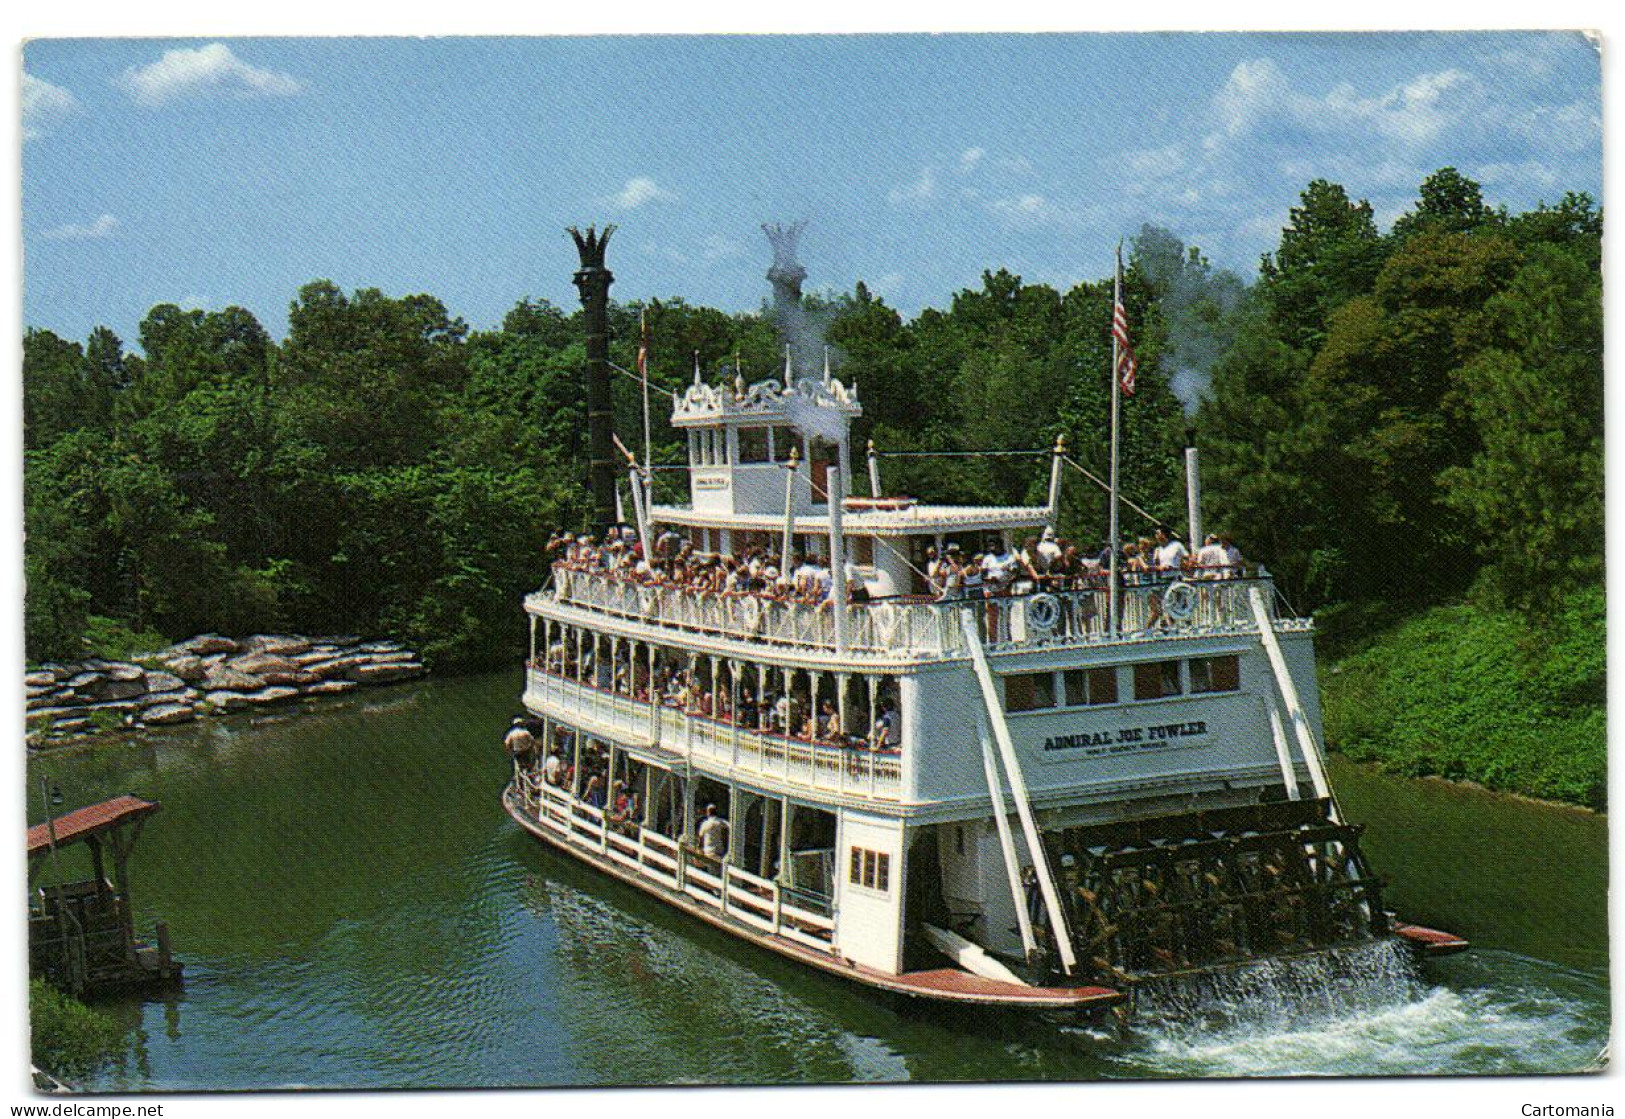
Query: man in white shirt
998 566
1048 551
714 834
551 767
1211 558
1232 554
1171 551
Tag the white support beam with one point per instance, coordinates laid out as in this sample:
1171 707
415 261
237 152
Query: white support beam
1283 750
1007 844
1289 696
1018 791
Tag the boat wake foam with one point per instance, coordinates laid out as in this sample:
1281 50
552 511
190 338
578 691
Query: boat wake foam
1355 1012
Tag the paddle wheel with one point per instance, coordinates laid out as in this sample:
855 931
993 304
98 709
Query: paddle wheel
1173 894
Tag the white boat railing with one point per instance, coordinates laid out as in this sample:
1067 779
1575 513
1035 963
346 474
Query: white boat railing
822 766
917 627
753 900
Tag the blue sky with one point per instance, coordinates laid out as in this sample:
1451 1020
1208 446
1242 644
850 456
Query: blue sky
211 173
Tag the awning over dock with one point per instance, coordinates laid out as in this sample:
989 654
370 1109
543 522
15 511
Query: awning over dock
87 822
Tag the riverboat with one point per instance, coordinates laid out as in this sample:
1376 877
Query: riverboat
1037 801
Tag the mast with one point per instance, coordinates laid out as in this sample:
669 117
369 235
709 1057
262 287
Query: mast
1117 356
593 282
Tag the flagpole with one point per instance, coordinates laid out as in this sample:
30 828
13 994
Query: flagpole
648 440
1117 298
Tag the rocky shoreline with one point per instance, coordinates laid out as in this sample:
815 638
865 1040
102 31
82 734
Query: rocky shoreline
202 676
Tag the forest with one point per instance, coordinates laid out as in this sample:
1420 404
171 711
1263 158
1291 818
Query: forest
1406 427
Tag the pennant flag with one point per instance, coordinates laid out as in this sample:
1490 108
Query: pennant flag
1127 365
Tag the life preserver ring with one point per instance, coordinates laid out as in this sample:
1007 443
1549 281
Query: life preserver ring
1043 612
1179 601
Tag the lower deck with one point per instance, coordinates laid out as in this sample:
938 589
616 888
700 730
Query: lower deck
753 907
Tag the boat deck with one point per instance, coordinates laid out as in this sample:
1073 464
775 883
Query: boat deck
940 985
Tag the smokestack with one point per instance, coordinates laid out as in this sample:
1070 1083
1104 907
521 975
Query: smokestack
593 281
1193 489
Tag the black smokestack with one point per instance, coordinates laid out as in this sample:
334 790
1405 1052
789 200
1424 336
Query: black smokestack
593 281
786 276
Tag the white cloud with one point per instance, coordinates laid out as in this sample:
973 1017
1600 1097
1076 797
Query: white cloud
637 192
1035 210
44 105
969 158
103 227
922 189
185 72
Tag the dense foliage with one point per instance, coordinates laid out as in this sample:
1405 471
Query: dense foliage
69 1039
1390 421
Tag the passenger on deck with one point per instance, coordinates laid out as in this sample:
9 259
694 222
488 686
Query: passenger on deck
885 732
1232 555
594 796
713 834
1171 551
1210 560
553 767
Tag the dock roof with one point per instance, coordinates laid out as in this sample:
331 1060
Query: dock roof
91 820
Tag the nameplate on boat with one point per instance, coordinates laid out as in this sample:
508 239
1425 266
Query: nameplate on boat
1129 740
710 483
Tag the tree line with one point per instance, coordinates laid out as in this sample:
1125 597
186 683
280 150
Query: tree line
1404 416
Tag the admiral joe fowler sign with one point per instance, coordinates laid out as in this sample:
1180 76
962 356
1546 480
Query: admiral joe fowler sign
1129 740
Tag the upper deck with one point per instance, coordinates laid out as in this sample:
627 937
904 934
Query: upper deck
909 628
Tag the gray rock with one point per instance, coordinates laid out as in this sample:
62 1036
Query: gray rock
332 687
387 673
83 680
258 664
171 695
274 643
41 679
382 647
124 672
267 696
205 643
72 726
116 706
109 687
164 681
60 671
391 658
221 678
188 666
47 715
337 668
315 656
38 693
167 714
226 700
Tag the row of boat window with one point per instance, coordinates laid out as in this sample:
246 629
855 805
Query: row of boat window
1091 687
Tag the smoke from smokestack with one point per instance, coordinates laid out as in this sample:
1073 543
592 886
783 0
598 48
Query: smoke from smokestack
800 327
1197 303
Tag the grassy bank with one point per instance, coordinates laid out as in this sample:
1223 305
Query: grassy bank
1474 694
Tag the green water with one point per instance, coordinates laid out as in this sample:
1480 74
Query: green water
355 910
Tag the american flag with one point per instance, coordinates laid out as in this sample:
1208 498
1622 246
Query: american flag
1127 365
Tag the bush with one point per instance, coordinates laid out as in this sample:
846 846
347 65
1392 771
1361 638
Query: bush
69 1039
1472 693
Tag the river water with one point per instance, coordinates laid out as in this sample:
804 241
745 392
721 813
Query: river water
355 910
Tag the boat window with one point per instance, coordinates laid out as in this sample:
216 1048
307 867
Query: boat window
1215 674
870 869
753 445
863 551
1090 686
1155 679
1029 692
783 439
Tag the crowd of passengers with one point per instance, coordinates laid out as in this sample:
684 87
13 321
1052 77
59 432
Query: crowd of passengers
616 799
767 709
1043 563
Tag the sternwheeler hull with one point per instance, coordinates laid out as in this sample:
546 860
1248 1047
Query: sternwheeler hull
943 986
